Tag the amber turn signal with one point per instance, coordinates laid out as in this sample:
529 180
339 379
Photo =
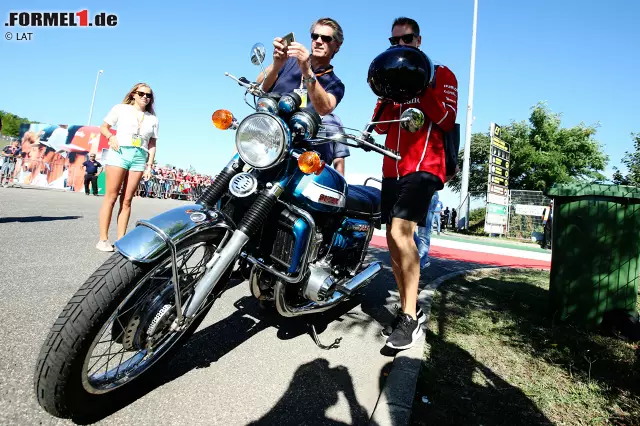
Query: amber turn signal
310 162
222 119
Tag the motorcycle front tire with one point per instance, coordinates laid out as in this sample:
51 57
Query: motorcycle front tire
58 376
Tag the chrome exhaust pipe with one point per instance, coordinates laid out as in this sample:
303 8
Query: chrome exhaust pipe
342 292
363 278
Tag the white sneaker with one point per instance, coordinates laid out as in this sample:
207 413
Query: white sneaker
104 246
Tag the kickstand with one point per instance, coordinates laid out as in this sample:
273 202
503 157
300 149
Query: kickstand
316 339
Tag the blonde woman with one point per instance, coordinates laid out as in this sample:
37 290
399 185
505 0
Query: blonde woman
131 154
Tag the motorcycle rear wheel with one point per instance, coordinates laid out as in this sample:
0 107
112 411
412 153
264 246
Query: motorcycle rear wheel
62 381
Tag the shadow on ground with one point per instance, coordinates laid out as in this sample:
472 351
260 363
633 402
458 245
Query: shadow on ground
314 389
523 307
31 219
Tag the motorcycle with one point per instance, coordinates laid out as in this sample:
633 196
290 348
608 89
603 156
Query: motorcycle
276 214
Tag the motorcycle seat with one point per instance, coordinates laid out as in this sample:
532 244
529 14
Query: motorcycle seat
363 200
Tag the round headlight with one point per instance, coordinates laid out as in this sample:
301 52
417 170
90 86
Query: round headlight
262 139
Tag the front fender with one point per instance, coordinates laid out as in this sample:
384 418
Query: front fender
143 244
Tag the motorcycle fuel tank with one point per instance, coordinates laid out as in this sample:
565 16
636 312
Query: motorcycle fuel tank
324 193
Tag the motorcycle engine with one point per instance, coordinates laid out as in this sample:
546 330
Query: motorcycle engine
320 283
335 250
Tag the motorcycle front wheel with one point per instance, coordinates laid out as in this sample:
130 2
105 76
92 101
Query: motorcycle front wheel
114 330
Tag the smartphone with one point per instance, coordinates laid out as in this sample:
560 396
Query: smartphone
288 39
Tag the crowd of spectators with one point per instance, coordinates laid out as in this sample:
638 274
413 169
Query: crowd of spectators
172 182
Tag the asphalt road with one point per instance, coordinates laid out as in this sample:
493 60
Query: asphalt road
242 366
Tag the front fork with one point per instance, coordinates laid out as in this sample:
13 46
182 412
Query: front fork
223 259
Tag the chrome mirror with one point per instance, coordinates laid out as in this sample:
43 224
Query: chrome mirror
412 120
258 53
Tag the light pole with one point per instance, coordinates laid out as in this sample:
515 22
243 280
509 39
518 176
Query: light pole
94 97
467 141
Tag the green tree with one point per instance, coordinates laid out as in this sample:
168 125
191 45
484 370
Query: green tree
479 165
11 123
542 154
631 160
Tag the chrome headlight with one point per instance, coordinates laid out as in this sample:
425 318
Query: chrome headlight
262 140
267 105
289 103
305 124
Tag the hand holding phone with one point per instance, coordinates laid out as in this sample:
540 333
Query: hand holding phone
288 39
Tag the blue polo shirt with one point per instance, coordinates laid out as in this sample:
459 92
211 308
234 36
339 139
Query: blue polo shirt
290 78
92 166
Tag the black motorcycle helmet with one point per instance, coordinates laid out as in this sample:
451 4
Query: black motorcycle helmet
400 73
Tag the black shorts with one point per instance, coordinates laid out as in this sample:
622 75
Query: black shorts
408 197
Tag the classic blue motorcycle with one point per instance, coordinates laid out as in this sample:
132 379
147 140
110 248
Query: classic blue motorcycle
276 214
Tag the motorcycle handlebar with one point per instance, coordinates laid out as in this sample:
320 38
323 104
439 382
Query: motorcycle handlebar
255 89
252 88
379 148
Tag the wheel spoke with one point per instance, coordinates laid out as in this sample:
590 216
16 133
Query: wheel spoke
106 364
135 314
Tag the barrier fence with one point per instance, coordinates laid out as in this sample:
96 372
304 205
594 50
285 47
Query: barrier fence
170 188
525 209
525 214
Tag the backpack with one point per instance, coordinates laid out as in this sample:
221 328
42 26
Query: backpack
451 145
451 148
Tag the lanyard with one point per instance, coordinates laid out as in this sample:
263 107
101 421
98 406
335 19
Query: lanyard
140 122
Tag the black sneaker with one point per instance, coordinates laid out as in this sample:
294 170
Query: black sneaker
388 329
406 334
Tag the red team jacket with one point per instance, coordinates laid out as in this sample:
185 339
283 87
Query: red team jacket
424 149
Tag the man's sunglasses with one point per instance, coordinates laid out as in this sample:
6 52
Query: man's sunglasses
407 38
325 38
143 94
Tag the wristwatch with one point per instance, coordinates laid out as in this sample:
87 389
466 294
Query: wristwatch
311 79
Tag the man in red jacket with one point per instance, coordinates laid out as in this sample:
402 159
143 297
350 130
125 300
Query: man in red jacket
409 184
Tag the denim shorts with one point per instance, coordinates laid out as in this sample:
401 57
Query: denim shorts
7 168
128 157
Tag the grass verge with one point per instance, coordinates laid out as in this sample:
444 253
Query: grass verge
494 356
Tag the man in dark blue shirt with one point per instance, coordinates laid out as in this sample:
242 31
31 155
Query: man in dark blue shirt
92 169
311 76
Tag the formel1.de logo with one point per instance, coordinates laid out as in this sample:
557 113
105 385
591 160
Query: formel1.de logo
56 19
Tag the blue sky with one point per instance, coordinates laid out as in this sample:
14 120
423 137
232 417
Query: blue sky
581 57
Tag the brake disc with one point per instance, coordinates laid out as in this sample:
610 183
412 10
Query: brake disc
130 333
160 318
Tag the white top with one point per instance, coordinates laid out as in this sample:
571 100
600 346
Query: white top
128 119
